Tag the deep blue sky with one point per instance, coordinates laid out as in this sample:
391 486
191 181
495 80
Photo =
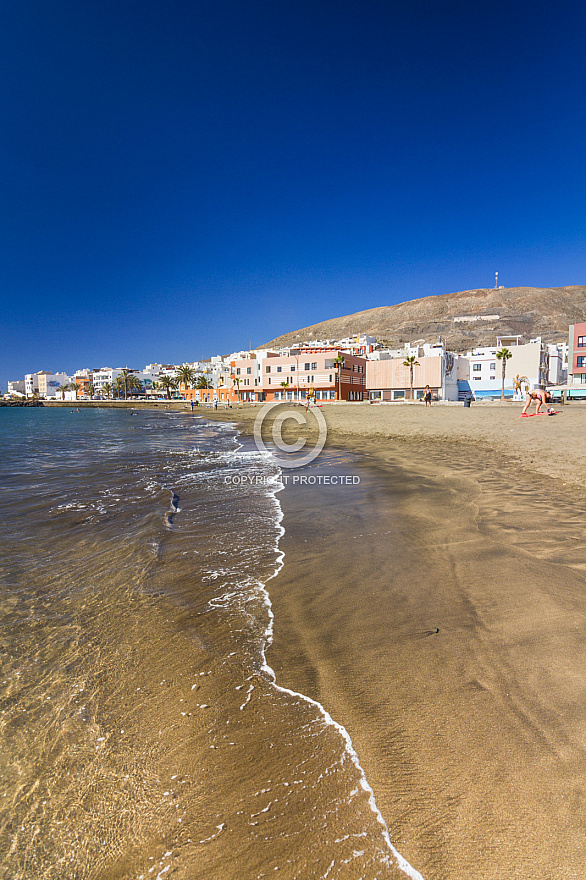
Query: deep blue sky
185 178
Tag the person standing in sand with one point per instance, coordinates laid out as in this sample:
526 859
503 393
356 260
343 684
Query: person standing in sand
427 395
539 395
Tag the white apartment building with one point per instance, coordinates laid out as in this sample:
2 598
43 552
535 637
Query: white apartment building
45 384
16 388
105 376
484 374
557 371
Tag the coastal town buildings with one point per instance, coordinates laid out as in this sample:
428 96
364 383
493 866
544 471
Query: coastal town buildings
529 361
324 373
354 368
388 376
104 376
16 388
45 384
84 380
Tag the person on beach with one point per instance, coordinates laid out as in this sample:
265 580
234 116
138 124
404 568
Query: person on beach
540 396
427 395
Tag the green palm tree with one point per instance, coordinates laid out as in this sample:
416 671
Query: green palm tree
63 389
124 375
120 386
89 390
134 384
75 386
203 382
236 381
339 361
169 383
185 375
411 362
503 355
107 389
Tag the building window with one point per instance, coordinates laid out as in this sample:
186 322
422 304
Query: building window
476 367
581 362
279 369
492 367
330 378
249 370
314 367
306 366
269 381
293 368
581 341
477 378
238 371
268 370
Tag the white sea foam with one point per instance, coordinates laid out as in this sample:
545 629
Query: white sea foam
399 860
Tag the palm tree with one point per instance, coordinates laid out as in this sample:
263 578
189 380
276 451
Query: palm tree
203 382
124 374
107 389
120 386
340 362
63 389
235 381
503 355
285 384
89 390
411 362
168 383
134 384
75 386
185 375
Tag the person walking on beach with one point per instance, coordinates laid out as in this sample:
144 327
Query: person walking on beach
540 396
427 395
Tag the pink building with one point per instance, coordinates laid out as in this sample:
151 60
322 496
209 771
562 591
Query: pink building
390 379
325 373
577 352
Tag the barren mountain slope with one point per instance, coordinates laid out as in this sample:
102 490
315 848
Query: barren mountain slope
528 311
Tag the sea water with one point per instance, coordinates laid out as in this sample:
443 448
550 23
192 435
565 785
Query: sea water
142 733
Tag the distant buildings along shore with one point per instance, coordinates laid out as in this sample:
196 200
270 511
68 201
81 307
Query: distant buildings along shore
353 369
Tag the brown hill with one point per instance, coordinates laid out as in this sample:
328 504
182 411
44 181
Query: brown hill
525 311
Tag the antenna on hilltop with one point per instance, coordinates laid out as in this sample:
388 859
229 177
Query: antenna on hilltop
496 280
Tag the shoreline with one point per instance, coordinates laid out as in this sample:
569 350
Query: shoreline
551 446
436 615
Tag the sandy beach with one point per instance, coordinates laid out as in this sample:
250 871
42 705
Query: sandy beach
438 611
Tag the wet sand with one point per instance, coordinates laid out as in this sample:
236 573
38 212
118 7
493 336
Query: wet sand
438 612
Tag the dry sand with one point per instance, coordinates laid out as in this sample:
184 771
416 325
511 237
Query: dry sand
555 446
471 522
